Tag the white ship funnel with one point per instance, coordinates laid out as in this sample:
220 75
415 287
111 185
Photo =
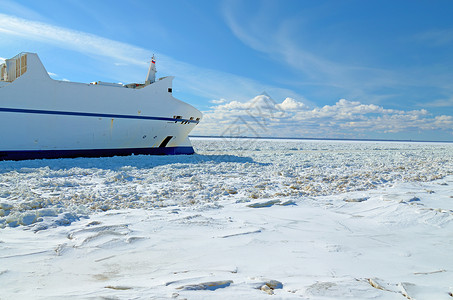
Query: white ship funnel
151 77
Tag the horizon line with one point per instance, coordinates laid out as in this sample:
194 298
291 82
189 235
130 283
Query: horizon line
322 138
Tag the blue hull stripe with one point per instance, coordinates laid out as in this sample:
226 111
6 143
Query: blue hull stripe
97 115
39 154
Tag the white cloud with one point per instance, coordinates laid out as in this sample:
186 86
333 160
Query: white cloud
70 39
278 39
441 103
262 116
291 104
220 101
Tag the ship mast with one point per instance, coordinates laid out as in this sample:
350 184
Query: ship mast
151 77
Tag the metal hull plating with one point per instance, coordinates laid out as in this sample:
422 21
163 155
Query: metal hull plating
41 154
44 118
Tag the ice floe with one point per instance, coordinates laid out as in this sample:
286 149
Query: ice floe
248 219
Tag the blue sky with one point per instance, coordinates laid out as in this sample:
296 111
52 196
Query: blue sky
337 69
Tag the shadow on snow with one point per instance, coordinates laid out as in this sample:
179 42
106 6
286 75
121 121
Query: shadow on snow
118 162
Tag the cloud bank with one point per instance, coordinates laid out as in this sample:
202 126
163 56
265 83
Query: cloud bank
262 116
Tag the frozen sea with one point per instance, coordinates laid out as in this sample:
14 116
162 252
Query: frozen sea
242 218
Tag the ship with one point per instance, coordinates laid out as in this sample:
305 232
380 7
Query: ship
44 118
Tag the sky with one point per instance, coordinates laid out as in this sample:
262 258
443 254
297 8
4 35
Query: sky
288 68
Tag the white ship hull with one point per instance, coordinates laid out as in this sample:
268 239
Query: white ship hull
44 118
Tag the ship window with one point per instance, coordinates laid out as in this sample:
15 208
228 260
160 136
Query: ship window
165 141
170 90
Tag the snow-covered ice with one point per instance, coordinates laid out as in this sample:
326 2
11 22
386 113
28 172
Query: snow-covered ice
243 218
